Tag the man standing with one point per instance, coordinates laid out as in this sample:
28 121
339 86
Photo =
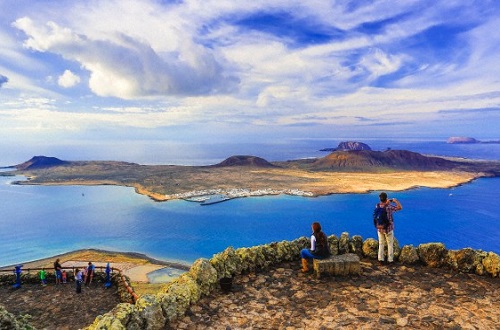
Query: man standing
384 222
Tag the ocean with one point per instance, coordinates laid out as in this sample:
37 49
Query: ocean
42 221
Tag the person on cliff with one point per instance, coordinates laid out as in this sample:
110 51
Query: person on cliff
319 247
384 222
57 270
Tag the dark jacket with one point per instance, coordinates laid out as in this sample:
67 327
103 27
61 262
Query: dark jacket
322 248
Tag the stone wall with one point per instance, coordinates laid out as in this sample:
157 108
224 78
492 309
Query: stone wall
172 301
11 322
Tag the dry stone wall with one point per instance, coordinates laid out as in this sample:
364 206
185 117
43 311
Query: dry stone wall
157 311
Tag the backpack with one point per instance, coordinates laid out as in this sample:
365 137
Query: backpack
380 217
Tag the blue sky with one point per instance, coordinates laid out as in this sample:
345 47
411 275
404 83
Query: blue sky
83 73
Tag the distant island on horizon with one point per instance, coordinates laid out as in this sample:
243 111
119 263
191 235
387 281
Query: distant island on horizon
351 168
468 140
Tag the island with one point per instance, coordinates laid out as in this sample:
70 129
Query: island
341 171
468 140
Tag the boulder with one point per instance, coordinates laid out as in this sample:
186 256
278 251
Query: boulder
333 242
491 263
370 248
271 253
465 260
150 309
344 243
288 251
356 245
185 290
123 316
9 321
227 263
432 254
408 255
204 274
169 305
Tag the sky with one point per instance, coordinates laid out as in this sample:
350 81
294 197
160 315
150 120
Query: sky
120 75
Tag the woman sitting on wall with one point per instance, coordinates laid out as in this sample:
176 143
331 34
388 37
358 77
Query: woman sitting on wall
319 247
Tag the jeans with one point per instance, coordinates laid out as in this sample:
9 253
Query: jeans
307 254
384 238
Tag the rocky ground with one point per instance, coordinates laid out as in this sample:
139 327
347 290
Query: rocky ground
59 306
383 297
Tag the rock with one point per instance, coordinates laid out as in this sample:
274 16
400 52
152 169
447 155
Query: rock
370 248
333 242
123 316
344 243
287 251
204 274
356 245
226 263
271 254
150 309
491 263
432 254
339 265
9 321
185 292
465 260
409 255
169 305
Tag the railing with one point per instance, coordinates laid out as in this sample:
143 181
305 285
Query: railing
129 289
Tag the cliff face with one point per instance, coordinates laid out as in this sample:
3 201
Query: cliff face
365 159
40 162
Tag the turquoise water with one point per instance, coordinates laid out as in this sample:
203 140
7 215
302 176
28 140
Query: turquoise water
41 221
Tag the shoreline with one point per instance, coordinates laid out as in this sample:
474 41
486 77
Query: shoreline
98 255
320 184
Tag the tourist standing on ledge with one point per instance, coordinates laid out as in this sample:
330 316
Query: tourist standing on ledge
383 220
319 247
57 269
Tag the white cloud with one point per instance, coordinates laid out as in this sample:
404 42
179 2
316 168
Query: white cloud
181 63
68 79
128 68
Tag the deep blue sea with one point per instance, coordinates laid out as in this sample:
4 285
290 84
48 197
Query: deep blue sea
42 221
